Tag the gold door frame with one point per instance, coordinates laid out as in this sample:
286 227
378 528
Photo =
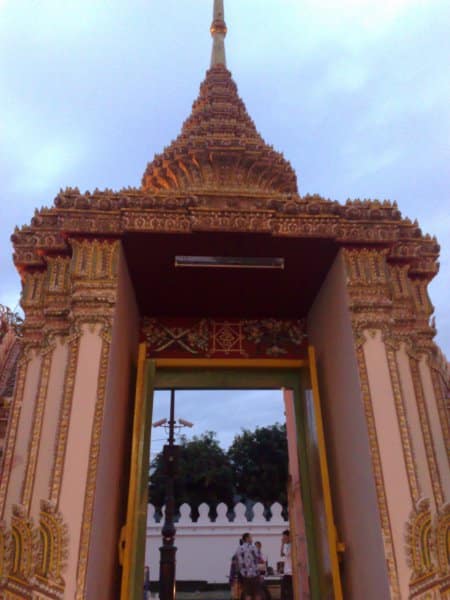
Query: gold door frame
132 540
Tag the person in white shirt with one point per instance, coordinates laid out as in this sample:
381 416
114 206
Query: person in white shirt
286 582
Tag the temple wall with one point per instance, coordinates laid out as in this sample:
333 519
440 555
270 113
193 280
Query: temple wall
74 479
351 473
413 417
48 435
25 406
103 575
437 434
395 478
205 547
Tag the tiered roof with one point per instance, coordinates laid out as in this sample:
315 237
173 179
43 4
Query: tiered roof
219 145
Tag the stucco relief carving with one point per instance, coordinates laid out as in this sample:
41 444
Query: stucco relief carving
94 452
405 433
5 552
25 546
13 424
53 553
442 524
73 342
221 338
426 431
47 355
33 558
420 543
378 476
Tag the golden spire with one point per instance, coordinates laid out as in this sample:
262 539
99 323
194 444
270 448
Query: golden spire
218 32
219 147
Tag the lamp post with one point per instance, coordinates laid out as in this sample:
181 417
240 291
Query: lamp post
167 583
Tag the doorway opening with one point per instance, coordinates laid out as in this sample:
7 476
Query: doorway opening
231 478
315 568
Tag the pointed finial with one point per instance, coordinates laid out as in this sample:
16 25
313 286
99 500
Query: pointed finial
218 32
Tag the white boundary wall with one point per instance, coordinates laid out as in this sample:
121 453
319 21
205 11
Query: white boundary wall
205 547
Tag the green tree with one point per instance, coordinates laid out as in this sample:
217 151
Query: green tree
259 460
204 474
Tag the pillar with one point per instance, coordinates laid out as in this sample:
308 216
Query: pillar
63 492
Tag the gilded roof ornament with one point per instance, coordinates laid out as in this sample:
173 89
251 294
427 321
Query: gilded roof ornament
218 32
219 147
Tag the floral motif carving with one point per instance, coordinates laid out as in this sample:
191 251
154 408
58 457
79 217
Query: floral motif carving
274 335
420 543
25 545
5 552
192 339
54 552
214 338
443 540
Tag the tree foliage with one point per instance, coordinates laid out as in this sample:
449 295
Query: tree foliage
254 469
259 460
203 475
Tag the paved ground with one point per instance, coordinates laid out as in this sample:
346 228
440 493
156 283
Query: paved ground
217 595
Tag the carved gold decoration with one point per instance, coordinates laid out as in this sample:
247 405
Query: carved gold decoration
227 338
94 260
192 338
441 383
13 425
420 543
58 296
213 338
63 425
33 300
218 175
219 147
426 431
92 471
5 552
408 452
53 546
38 416
443 541
25 545
378 476
106 214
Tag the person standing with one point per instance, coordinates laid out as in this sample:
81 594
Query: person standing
235 578
286 581
262 568
247 558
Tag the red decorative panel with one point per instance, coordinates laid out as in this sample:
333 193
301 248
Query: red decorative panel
233 338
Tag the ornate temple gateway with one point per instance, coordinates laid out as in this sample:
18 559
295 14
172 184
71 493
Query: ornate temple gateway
217 271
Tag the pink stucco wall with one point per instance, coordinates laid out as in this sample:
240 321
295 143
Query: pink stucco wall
103 576
442 457
74 479
415 428
19 462
49 426
391 451
364 573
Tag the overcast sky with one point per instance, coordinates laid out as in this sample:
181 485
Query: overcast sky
226 412
355 93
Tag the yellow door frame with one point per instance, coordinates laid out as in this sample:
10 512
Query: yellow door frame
135 526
